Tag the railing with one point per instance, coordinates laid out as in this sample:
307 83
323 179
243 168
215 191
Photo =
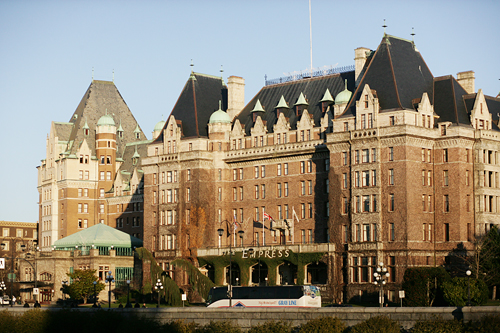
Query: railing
307 74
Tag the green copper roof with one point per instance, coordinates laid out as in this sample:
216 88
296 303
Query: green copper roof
282 103
344 96
120 128
219 116
106 120
137 129
86 126
327 97
258 107
98 235
302 100
159 126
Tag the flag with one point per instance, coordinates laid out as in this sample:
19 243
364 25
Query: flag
295 214
267 216
235 223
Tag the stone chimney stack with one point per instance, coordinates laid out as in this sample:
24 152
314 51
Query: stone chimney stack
360 55
466 80
236 95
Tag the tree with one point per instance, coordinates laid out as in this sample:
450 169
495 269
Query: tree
485 264
456 291
82 285
422 285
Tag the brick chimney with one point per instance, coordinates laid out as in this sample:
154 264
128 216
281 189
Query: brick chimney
236 95
466 80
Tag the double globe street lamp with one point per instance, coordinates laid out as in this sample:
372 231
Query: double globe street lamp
158 287
109 279
381 276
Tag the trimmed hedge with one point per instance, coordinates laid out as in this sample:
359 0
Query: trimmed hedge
379 324
323 325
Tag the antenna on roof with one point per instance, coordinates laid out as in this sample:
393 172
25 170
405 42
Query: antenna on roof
92 73
384 26
413 35
221 74
310 37
113 76
192 65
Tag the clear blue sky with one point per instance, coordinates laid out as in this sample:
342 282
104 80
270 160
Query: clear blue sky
48 50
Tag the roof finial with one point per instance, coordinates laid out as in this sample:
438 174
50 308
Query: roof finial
220 104
113 76
384 26
221 71
92 73
413 35
192 65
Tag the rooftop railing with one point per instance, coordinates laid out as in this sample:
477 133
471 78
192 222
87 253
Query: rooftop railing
307 74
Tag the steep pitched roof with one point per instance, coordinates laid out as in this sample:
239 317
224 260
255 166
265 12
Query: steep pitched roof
313 89
98 235
62 130
397 72
449 102
127 168
100 98
198 100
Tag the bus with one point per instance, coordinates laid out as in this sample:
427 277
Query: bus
268 296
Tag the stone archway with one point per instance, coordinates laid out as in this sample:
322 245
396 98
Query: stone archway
317 273
235 274
287 274
259 273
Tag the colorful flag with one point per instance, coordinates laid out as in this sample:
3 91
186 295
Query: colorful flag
267 216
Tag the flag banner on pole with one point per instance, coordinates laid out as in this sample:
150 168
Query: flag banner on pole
267 216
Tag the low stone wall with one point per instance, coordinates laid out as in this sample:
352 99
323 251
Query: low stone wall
248 317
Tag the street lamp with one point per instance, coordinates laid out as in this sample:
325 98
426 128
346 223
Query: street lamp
109 278
128 305
95 296
158 287
2 289
230 288
468 286
381 277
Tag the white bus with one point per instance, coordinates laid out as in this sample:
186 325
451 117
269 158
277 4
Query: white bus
269 296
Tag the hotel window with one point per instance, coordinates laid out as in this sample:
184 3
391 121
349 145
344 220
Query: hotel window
446 203
392 121
392 233
302 188
374 203
358 204
423 154
85 208
374 177
391 153
309 187
280 213
163 177
366 233
235 194
79 208
374 155
310 235
356 157
169 196
429 156
256 191
235 174
445 155
344 158
101 193
169 176
278 190
80 191
309 166
188 194
346 126
466 177
356 179
391 176
446 232
101 175
176 194
302 166
170 217
365 156
279 170
241 214
219 174
327 185
429 178
445 178
285 168
241 192
263 191
365 179
310 210
219 215
263 171
303 210
241 173
256 213
423 178
80 174
278 138
429 203
366 203
108 175
391 202
188 216
188 174
327 164
256 169
87 175
286 189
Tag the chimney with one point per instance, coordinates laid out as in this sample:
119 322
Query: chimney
360 55
236 95
466 80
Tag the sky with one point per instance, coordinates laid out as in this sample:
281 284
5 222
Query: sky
49 51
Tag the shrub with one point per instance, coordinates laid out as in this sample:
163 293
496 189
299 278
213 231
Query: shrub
7 322
219 327
323 325
179 326
438 325
32 321
379 324
272 327
423 285
487 324
456 291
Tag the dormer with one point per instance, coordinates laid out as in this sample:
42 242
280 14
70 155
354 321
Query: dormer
301 105
257 111
119 131
281 129
367 108
282 107
480 115
305 127
237 136
171 136
258 132
425 112
137 132
86 129
326 101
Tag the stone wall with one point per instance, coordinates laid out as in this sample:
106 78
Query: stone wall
246 317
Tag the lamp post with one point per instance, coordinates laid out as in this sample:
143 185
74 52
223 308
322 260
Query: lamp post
128 305
381 276
468 286
230 288
2 289
109 279
158 287
95 296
